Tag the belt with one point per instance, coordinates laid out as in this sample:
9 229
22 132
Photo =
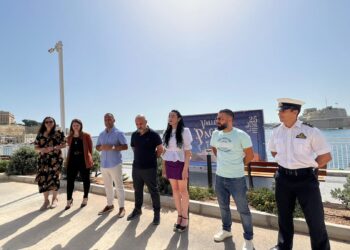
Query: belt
296 172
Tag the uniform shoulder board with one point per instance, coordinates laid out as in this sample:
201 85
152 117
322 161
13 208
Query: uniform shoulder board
307 124
275 126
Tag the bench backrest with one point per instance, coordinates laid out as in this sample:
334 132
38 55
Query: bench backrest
268 169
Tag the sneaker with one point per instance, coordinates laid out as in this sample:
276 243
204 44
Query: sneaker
156 219
107 209
121 212
134 214
222 235
248 245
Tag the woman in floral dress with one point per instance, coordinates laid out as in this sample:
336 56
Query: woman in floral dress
49 143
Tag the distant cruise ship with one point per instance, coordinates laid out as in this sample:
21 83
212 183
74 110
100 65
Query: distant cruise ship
328 117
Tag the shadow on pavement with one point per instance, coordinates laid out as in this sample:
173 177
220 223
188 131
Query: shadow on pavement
39 232
12 226
90 235
19 199
128 239
180 239
229 244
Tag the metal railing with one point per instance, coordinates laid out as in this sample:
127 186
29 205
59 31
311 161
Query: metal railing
340 153
9 149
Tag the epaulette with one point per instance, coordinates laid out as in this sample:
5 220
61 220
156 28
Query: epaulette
308 124
276 125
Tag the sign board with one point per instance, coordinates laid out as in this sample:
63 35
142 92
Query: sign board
202 126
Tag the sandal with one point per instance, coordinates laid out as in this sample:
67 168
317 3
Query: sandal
176 225
54 203
45 205
69 204
182 228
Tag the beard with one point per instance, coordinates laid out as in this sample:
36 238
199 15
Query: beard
222 126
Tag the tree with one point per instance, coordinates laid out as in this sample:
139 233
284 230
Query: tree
30 123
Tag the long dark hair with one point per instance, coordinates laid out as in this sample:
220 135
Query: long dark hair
71 131
179 130
42 128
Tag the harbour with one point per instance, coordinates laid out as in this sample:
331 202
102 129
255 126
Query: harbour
339 140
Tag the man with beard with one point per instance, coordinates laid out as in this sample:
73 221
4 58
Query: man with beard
233 149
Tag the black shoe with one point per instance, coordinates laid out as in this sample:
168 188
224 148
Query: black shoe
156 219
135 213
180 228
69 204
176 225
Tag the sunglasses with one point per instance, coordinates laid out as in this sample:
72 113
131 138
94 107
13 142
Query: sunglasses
47 122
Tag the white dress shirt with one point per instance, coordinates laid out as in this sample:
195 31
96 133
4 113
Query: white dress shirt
298 146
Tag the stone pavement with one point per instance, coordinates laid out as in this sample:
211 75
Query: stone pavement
23 226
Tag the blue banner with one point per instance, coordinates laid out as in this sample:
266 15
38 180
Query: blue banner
202 126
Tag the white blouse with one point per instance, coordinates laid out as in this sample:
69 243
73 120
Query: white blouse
174 153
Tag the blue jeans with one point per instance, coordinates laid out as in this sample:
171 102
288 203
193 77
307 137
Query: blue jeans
237 187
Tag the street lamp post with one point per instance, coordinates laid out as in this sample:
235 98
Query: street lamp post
59 48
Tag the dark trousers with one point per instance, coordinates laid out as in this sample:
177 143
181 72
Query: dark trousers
72 172
148 177
306 189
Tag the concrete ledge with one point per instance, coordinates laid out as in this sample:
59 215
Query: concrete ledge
335 231
3 177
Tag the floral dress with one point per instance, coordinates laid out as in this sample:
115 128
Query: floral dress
49 164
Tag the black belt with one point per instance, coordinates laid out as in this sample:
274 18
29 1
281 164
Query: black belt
296 172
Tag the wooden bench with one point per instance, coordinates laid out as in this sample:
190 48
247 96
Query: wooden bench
5 157
268 169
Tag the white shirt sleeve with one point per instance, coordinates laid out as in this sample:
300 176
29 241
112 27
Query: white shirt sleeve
271 145
319 143
187 139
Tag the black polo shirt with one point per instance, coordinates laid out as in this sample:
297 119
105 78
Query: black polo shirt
144 147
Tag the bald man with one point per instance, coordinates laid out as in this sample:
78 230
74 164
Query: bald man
147 146
110 143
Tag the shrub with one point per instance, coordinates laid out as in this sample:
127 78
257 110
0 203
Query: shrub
263 199
3 165
200 193
97 163
343 195
164 184
24 161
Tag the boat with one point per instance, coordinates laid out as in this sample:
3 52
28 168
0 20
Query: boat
326 118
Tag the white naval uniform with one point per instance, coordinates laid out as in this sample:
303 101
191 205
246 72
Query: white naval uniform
298 146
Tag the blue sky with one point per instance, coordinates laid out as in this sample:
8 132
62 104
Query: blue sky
130 57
